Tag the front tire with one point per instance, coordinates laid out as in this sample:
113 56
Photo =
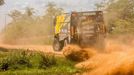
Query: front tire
57 45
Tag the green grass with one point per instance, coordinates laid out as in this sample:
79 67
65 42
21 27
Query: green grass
34 72
22 62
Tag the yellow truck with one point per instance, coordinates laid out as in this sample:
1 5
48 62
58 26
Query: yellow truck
86 29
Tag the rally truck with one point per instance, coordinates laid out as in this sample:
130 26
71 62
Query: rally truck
86 29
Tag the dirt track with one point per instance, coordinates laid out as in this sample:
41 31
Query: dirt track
117 59
41 48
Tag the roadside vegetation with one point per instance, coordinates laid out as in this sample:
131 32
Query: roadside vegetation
29 28
22 62
119 15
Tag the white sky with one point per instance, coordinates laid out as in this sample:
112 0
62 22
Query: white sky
39 5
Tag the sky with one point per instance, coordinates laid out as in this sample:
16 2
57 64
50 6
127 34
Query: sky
39 6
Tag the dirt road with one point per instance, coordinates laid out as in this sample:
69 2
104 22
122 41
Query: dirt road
41 48
118 59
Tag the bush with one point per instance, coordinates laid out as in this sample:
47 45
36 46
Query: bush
25 59
34 63
47 61
15 60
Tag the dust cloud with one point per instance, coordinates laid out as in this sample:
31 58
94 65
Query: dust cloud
118 58
75 53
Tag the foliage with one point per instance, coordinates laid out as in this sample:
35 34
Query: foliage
15 15
14 60
51 11
119 16
2 2
27 25
33 63
29 11
47 61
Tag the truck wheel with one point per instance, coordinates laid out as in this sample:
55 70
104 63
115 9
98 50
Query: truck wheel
57 45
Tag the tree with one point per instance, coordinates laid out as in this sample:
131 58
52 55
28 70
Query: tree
29 11
124 8
27 25
15 15
100 6
2 2
120 13
52 11
104 4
